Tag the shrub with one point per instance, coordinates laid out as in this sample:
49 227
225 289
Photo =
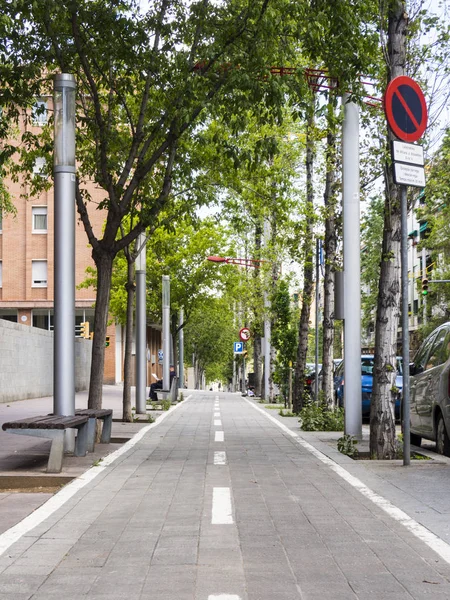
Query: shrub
347 445
319 417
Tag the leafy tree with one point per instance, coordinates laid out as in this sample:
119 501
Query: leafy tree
382 418
142 88
371 238
209 339
436 213
284 334
307 249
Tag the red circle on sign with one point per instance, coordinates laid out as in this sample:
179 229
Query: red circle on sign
244 334
406 108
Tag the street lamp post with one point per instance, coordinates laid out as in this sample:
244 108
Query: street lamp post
64 247
141 327
166 330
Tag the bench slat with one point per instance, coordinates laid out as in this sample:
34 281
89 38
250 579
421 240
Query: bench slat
46 422
93 412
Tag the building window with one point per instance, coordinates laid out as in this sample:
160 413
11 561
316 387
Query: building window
39 214
8 314
39 113
39 166
43 318
39 273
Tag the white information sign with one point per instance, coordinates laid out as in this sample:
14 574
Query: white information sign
408 153
409 175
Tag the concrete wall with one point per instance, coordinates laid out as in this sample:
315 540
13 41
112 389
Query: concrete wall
26 362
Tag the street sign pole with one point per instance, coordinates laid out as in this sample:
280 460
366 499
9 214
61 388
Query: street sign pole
405 326
406 113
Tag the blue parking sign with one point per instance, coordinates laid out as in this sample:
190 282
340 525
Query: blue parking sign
238 347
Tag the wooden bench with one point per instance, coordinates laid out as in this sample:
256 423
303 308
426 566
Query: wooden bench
169 394
105 415
53 427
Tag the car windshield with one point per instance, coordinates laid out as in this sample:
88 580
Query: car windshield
367 363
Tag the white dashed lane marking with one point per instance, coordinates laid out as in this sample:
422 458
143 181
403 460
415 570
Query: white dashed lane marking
224 597
217 422
219 436
222 513
220 458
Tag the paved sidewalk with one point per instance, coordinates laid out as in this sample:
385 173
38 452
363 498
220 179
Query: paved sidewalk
224 500
23 459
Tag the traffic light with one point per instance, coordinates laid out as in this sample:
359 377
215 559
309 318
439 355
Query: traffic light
84 329
424 287
107 341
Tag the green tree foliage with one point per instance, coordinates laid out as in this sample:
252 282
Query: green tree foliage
144 81
209 338
181 253
436 213
284 334
371 238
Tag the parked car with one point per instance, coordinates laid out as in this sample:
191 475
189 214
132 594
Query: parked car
367 362
430 391
336 363
310 376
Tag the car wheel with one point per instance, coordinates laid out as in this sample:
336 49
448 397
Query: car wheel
415 440
442 439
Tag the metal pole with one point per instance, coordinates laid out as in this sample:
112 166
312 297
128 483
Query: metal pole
352 270
181 350
166 330
290 386
141 327
405 326
316 375
64 249
424 275
267 327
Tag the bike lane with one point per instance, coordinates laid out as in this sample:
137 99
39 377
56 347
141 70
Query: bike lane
217 502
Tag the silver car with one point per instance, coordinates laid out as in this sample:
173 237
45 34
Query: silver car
430 390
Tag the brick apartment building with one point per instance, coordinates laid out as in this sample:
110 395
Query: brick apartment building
27 269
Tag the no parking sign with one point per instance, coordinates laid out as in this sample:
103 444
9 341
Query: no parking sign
406 108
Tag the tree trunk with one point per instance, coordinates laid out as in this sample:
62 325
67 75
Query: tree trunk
174 334
330 258
103 261
257 367
131 292
302 349
382 419
257 326
275 272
